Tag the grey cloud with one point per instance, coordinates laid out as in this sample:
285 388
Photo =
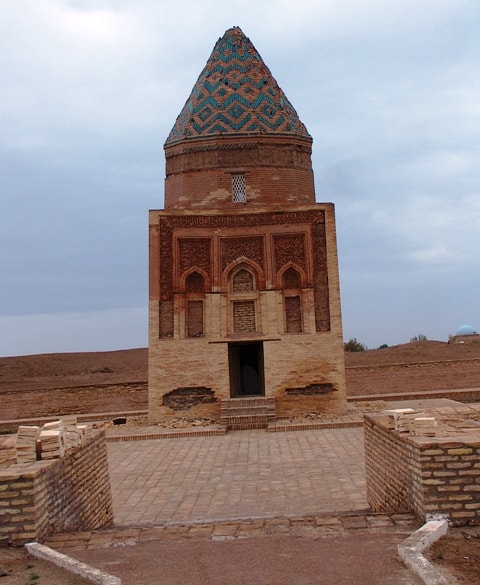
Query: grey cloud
388 90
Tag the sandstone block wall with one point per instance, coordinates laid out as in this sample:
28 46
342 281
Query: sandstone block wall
426 475
68 494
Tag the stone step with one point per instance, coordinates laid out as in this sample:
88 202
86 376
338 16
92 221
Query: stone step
251 410
247 422
247 413
250 401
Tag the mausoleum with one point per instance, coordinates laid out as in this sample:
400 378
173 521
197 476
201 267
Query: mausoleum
244 304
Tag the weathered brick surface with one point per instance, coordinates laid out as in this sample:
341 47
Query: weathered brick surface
244 316
201 179
68 494
301 347
434 475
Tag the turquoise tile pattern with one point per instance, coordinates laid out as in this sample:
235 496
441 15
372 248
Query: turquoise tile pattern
236 94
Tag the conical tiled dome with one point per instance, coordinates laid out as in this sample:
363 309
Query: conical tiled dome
236 94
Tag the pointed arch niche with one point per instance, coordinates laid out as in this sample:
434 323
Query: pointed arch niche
292 300
194 300
242 283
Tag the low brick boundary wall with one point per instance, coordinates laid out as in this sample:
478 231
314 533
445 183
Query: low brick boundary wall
62 495
465 395
426 475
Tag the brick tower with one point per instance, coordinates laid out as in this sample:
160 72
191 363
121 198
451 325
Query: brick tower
244 306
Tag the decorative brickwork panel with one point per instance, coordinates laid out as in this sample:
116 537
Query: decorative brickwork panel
290 248
234 248
195 284
252 248
291 279
194 252
166 281
320 278
244 317
243 281
293 314
238 155
166 261
166 319
195 318
169 222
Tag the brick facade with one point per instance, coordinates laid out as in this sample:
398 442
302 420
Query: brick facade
193 182
244 287
426 475
300 335
63 495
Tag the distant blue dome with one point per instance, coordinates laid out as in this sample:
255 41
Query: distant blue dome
465 330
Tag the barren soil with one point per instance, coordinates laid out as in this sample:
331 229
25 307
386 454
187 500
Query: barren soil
23 569
65 383
459 553
413 367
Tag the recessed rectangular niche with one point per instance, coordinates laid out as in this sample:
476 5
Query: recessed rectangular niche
244 316
195 318
293 314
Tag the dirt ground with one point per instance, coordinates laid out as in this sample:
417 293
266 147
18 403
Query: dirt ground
413 367
66 383
267 560
23 569
459 553
42 385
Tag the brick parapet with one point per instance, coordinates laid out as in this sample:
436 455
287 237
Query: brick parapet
426 475
66 494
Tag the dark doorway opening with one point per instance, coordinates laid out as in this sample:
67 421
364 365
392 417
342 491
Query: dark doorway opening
246 369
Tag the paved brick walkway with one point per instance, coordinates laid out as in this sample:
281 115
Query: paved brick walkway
244 474
246 507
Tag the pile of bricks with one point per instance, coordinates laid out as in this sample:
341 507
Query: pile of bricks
50 441
408 420
26 444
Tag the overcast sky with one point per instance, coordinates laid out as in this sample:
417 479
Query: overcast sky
89 90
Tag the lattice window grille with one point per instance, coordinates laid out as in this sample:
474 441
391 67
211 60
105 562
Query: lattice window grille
239 192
